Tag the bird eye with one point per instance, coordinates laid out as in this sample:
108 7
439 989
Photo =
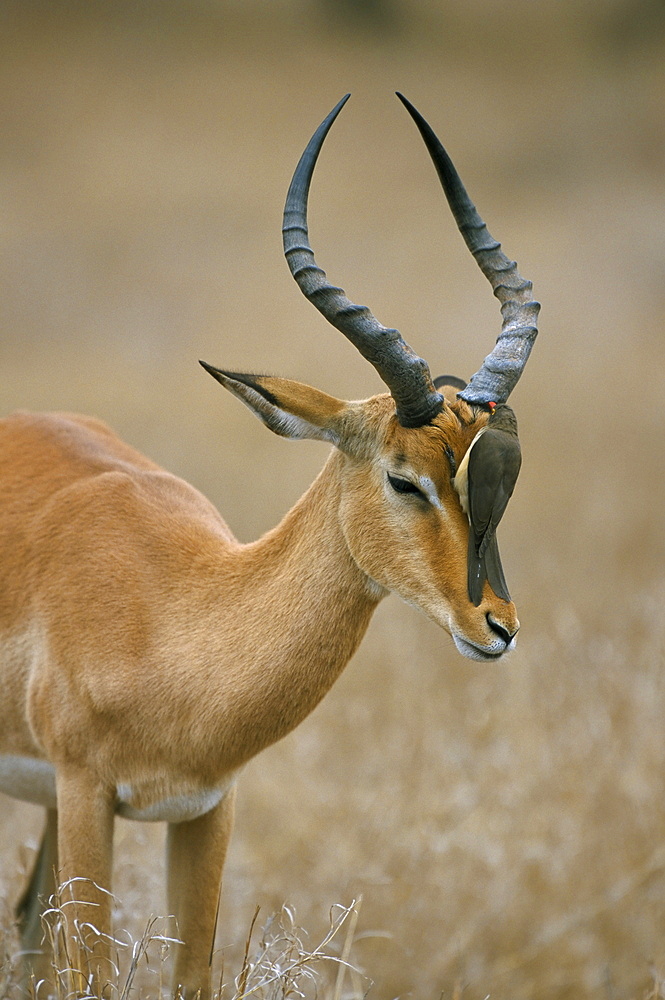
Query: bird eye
403 485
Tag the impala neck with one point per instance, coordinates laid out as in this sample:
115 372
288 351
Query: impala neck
310 604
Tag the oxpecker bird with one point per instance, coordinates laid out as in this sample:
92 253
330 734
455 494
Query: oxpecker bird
485 481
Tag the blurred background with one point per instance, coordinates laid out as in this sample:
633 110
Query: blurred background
504 824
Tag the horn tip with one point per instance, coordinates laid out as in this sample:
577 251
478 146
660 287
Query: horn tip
211 370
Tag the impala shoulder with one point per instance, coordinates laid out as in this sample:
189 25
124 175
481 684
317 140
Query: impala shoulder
143 504
181 502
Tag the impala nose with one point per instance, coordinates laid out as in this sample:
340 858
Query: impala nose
501 630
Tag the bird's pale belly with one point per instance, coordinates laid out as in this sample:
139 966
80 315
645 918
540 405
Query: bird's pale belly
33 780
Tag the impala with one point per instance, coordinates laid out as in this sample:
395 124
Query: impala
146 654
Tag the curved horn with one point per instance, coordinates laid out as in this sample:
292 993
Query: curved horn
501 369
406 375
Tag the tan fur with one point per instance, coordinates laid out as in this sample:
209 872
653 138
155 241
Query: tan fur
147 655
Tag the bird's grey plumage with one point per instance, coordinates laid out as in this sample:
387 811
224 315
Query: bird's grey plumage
494 460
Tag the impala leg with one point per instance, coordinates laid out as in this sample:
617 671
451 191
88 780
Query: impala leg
42 885
85 848
196 853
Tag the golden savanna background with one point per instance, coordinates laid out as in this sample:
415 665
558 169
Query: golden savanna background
504 824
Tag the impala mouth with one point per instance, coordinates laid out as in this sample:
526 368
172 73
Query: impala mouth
484 653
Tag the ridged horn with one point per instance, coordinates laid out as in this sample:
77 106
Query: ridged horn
501 369
406 375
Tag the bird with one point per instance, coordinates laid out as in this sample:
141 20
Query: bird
485 482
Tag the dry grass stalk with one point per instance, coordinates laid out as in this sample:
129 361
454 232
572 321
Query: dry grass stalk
281 967
68 981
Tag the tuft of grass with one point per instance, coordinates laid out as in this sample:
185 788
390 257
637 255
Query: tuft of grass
284 966
277 963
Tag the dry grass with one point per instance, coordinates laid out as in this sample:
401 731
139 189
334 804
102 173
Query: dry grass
504 826
277 962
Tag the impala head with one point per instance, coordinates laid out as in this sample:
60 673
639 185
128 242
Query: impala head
398 453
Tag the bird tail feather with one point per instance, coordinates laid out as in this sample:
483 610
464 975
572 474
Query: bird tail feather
494 569
476 574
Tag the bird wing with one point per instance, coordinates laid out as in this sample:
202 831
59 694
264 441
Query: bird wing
493 466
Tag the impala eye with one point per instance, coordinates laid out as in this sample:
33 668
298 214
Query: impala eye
403 485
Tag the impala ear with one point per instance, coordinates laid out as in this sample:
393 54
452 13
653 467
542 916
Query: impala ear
449 385
291 409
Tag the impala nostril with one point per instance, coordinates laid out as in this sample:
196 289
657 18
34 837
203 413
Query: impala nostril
501 630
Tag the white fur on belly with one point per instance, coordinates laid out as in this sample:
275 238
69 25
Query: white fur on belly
33 780
29 779
174 809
